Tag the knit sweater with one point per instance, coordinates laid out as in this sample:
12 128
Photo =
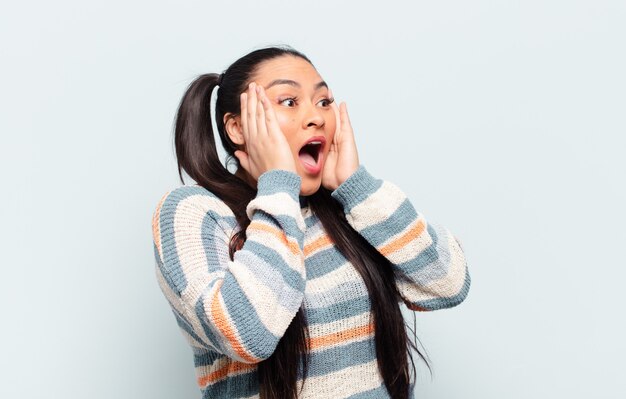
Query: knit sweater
233 313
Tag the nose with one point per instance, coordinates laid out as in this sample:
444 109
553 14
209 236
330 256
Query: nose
313 117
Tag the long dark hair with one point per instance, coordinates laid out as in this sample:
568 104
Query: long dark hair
197 155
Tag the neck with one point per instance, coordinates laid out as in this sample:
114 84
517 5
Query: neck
243 175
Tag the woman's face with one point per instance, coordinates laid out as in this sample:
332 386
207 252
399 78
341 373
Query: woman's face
301 103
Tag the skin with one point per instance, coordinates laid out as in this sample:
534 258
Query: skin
273 127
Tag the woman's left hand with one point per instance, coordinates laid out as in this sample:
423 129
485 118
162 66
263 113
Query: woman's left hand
342 159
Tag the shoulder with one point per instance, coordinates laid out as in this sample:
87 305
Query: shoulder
192 202
188 198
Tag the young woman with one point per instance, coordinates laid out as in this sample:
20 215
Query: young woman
286 277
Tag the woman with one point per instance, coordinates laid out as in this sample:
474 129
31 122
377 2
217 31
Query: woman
286 277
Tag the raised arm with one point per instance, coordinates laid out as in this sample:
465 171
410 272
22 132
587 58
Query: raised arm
240 308
429 263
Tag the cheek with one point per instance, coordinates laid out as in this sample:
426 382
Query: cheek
289 128
285 121
331 126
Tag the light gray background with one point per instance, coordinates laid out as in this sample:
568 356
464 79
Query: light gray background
503 121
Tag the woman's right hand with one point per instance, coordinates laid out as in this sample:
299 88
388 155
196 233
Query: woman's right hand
266 145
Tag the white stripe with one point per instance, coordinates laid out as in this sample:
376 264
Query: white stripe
295 262
266 304
376 208
279 203
321 329
175 302
345 273
343 383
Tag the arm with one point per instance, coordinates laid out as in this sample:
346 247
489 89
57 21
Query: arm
240 308
428 261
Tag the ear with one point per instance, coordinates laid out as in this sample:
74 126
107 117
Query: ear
232 125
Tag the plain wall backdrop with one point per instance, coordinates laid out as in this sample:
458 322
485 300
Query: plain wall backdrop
503 121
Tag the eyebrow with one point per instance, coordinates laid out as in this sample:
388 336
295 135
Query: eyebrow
293 83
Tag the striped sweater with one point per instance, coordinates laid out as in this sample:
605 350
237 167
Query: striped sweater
233 313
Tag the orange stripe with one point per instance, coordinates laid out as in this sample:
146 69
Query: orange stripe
293 246
323 241
404 239
156 228
224 326
341 336
231 368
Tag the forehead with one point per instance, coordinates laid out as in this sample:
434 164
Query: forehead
286 67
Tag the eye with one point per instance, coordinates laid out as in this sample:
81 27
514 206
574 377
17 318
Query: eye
327 101
292 99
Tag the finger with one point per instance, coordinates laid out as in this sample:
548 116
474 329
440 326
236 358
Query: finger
244 115
268 110
345 118
252 131
260 115
333 105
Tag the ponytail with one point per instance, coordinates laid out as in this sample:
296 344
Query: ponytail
195 142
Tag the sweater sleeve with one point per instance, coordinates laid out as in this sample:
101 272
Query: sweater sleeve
429 262
239 308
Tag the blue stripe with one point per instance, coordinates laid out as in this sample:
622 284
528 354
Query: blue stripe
284 282
356 189
338 311
253 334
252 251
435 271
237 386
340 357
163 271
186 326
209 329
203 358
312 221
172 270
279 181
344 291
397 222
215 244
323 262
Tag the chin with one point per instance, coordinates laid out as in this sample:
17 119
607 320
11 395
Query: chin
310 187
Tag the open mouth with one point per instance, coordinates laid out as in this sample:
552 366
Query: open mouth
310 152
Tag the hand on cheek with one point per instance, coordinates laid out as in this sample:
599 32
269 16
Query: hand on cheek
266 146
342 159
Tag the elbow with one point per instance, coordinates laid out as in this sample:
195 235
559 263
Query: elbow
459 276
246 333
462 278
257 351
455 300
442 302
265 349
